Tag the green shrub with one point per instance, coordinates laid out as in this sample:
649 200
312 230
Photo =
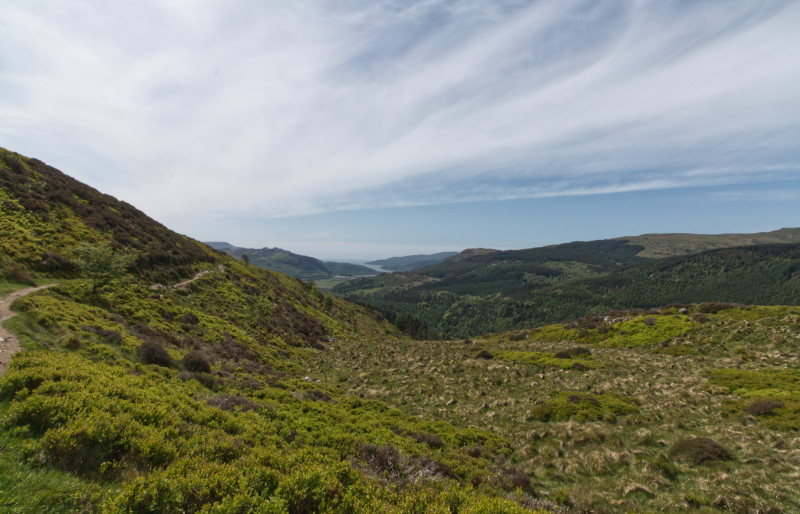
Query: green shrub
565 405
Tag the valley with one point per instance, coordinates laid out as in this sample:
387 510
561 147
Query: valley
159 374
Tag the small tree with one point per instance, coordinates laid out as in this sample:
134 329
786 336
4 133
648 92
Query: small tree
245 258
101 263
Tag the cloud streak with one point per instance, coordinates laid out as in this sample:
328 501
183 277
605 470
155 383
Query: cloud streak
283 108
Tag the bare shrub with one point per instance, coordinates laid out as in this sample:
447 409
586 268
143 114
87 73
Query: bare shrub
715 307
432 440
318 396
190 319
431 467
650 321
484 354
151 352
699 450
763 407
196 361
384 460
700 318
18 274
207 380
231 402
110 336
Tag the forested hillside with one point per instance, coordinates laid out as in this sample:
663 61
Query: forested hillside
491 292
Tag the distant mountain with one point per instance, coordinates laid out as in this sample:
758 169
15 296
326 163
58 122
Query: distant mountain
481 291
218 245
411 262
292 264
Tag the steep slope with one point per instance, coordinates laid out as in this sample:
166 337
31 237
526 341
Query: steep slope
45 215
292 264
139 396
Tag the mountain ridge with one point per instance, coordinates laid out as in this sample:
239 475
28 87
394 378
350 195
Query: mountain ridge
295 265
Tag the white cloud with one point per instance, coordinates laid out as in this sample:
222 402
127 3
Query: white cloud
199 110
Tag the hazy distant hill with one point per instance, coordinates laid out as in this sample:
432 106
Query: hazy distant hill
292 264
411 262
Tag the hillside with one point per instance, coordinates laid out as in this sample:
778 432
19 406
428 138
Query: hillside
498 291
411 262
140 393
669 245
691 407
292 264
45 215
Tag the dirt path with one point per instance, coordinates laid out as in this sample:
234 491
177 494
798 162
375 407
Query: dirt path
8 341
185 284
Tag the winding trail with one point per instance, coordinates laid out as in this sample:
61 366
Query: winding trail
9 345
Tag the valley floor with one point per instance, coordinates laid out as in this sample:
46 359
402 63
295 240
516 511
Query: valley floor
600 429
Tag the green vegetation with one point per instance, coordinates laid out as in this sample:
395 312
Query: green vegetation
46 215
641 425
566 405
135 395
528 288
101 263
246 390
771 395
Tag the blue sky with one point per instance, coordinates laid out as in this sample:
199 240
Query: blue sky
365 129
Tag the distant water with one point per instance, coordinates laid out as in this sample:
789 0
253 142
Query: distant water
377 268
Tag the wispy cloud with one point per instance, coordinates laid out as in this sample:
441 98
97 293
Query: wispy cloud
283 108
764 195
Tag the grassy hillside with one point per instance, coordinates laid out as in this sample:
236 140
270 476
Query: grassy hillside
292 264
139 395
657 246
687 407
494 292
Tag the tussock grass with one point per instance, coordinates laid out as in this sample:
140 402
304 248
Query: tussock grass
654 386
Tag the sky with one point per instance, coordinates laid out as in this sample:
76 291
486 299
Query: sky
363 129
